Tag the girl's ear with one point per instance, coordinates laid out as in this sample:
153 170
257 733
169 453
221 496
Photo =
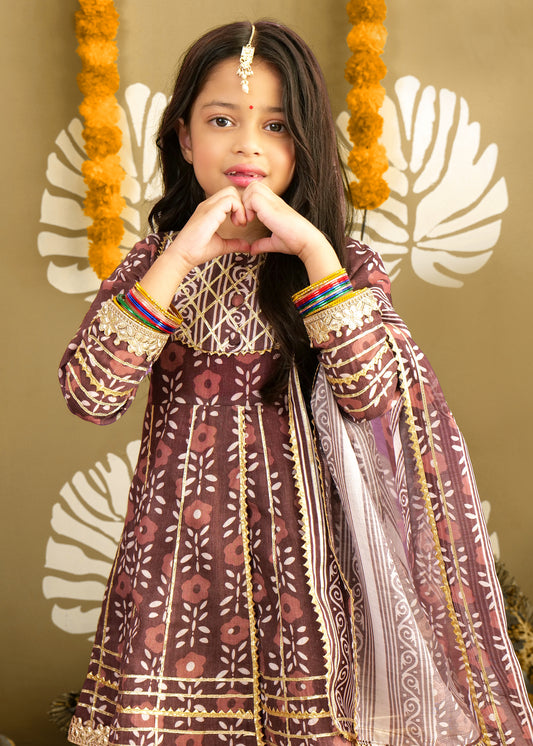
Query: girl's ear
184 138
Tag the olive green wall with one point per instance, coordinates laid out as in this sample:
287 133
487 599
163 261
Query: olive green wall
477 336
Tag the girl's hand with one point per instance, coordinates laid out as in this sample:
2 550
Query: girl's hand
199 240
196 243
291 233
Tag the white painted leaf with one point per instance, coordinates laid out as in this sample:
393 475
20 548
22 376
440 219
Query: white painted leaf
86 526
64 238
444 210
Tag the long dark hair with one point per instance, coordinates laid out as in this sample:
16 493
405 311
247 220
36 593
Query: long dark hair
316 191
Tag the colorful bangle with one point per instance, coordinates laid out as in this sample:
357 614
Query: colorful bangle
336 302
306 305
127 310
303 296
173 315
330 291
318 284
125 304
149 317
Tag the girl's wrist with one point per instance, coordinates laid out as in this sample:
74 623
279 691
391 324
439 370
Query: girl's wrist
320 260
165 276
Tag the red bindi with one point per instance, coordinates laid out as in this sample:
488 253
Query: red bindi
250 107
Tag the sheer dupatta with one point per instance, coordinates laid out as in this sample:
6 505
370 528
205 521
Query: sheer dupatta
428 661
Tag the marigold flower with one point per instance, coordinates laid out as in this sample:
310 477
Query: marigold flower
98 52
366 10
368 36
368 161
99 110
99 80
108 230
365 128
364 70
369 194
369 97
99 141
96 28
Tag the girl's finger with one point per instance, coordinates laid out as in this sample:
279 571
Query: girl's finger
238 215
268 245
235 245
250 214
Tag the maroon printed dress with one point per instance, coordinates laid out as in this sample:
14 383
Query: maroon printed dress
210 630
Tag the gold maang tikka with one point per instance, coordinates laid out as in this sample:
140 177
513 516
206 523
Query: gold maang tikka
245 62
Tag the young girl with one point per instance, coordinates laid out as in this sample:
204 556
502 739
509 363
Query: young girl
303 559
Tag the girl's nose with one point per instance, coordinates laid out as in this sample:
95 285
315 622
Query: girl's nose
247 141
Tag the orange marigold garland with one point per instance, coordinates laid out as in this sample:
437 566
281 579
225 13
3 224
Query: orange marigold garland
96 28
364 70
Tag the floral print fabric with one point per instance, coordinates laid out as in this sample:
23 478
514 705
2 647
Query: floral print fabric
209 631
227 617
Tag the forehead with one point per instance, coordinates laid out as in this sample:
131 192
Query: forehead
265 83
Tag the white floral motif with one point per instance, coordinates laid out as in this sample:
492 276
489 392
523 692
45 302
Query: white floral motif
64 235
86 524
445 202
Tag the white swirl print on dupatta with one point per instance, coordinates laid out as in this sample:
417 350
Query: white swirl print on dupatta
402 694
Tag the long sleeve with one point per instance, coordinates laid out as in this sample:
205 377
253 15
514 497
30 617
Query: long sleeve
111 354
353 341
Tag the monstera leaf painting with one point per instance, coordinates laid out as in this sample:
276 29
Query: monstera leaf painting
86 526
444 212
64 239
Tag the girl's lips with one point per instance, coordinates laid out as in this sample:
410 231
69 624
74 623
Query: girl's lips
242 178
243 175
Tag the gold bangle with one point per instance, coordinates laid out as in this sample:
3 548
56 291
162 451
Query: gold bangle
347 296
175 316
317 284
125 311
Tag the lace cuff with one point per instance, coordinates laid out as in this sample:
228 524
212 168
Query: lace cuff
140 339
351 313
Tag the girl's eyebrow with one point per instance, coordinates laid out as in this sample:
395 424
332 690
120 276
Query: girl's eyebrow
227 105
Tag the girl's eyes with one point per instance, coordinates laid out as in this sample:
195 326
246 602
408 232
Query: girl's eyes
222 122
276 127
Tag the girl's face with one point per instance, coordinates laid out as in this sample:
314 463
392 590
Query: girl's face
234 138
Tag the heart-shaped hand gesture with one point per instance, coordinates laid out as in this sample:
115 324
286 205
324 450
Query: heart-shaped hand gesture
254 220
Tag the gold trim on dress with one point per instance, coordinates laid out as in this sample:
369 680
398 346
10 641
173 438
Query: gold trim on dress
306 533
204 299
365 369
351 313
243 515
141 340
98 343
452 615
200 714
173 582
86 735
275 561
98 386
